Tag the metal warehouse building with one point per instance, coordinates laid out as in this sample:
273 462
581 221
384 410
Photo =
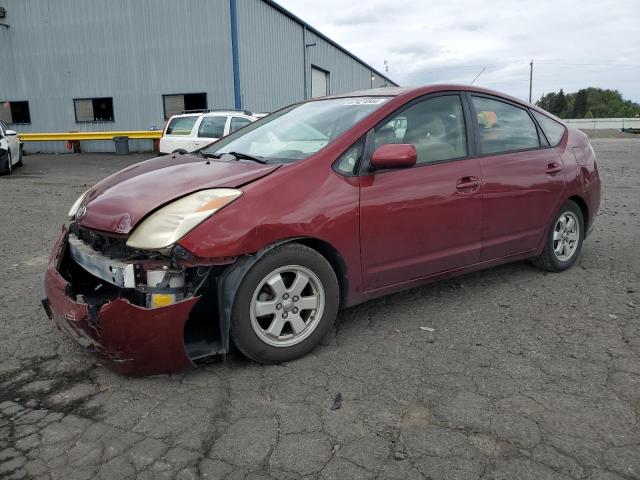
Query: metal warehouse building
112 65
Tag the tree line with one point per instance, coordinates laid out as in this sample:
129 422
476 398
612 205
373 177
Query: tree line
589 103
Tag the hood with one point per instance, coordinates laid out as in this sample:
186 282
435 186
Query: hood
120 201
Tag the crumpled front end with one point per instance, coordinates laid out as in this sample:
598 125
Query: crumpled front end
139 316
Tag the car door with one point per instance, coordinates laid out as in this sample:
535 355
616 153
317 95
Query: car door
11 141
3 140
14 144
211 128
522 178
426 219
179 134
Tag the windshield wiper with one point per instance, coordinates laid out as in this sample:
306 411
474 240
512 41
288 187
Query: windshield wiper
205 155
244 156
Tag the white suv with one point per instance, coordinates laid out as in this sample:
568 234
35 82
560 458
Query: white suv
190 131
10 149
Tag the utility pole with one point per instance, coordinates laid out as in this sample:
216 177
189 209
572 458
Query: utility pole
530 78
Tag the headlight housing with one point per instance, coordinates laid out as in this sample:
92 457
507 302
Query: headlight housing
170 223
76 205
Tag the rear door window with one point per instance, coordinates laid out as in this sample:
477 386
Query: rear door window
238 122
504 127
181 125
212 127
552 129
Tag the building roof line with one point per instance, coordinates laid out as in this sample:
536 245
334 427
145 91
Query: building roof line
315 31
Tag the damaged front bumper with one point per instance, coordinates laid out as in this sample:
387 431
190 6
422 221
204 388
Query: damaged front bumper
127 338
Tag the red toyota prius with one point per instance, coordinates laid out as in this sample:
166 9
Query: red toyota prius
263 235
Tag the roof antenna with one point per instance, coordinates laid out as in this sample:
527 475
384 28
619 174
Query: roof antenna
476 77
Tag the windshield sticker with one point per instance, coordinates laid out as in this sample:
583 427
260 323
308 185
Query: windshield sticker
365 101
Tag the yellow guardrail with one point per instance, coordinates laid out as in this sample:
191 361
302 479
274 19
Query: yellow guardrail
76 136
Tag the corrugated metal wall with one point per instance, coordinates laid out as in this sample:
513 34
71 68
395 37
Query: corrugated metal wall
136 51
133 51
271 57
345 74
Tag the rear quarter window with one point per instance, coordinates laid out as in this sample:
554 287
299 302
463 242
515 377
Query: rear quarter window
552 129
181 125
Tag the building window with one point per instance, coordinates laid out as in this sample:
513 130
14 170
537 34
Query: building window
93 109
183 103
319 82
15 112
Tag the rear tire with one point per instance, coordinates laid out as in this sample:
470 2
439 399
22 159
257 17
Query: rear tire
564 240
285 304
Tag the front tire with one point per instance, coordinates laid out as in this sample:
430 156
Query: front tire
285 304
7 164
564 240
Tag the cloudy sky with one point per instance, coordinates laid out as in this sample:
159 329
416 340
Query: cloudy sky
574 44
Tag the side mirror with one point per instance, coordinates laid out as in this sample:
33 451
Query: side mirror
10 133
394 155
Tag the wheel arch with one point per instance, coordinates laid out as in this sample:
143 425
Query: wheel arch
229 280
332 255
584 208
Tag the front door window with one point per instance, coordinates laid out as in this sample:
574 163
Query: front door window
435 126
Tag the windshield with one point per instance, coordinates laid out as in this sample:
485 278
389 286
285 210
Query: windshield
299 131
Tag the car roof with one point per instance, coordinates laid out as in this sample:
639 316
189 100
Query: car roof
226 113
217 113
422 90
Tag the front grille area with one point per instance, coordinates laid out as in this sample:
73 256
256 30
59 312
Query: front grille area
112 246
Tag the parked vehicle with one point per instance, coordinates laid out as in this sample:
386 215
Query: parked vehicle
265 234
10 149
189 131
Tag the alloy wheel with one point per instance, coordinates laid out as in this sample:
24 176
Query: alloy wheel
287 306
566 236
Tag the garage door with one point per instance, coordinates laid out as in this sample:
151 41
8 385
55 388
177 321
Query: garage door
319 83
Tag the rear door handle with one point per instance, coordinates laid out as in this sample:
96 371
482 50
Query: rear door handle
468 184
553 168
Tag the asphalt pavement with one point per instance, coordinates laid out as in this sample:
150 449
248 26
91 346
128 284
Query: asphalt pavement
526 375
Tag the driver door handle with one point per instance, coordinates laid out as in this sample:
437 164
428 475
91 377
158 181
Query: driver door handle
553 167
468 184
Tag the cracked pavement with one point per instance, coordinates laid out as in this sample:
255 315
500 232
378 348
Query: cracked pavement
526 375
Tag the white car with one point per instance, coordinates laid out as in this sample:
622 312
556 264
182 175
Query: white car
190 131
10 149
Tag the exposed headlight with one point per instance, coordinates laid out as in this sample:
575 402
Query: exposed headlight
170 223
76 205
